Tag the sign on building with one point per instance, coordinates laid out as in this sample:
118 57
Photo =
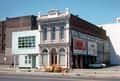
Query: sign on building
92 48
79 46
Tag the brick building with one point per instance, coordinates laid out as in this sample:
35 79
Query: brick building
10 25
64 39
2 41
71 41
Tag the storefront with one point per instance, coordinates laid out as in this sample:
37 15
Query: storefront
53 55
79 53
84 50
25 44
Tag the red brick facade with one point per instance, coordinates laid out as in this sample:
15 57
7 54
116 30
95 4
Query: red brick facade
86 27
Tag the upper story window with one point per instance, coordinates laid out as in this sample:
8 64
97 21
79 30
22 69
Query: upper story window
53 33
26 42
62 32
45 33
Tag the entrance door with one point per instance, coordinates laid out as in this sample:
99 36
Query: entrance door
53 56
33 61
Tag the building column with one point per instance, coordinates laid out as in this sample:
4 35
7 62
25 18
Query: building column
76 61
68 56
14 61
81 62
48 59
40 60
58 59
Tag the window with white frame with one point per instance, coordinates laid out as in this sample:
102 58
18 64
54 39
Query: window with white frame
53 31
45 57
45 33
28 59
26 42
62 56
61 32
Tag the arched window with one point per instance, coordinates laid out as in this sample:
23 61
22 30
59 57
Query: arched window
45 57
45 51
62 50
62 56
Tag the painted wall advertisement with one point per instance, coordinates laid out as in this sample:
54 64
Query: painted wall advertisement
79 46
92 48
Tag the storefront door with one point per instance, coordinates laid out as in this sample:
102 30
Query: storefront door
33 61
53 56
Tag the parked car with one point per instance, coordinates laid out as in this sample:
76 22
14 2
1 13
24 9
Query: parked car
97 65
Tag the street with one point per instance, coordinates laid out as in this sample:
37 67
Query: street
24 77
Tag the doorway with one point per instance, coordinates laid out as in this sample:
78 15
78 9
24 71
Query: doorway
33 61
53 56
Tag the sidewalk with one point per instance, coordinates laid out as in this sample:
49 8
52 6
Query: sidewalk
73 73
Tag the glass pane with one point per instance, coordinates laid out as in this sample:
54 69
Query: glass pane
62 59
62 32
53 33
45 51
29 57
30 61
45 33
25 61
25 57
45 59
25 42
62 50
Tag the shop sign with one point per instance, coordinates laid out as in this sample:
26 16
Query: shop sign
79 46
92 48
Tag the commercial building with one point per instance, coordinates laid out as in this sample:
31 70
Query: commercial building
113 31
8 26
63 39
2 41
26 44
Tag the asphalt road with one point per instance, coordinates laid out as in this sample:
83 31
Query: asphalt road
24 77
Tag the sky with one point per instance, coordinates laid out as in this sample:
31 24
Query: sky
94 11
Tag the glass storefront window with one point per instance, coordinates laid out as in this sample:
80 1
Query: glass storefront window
45 57
62 56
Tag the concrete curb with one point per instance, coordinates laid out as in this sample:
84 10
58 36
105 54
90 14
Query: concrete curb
79 73
59 74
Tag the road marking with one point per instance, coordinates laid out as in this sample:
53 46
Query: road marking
24 77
